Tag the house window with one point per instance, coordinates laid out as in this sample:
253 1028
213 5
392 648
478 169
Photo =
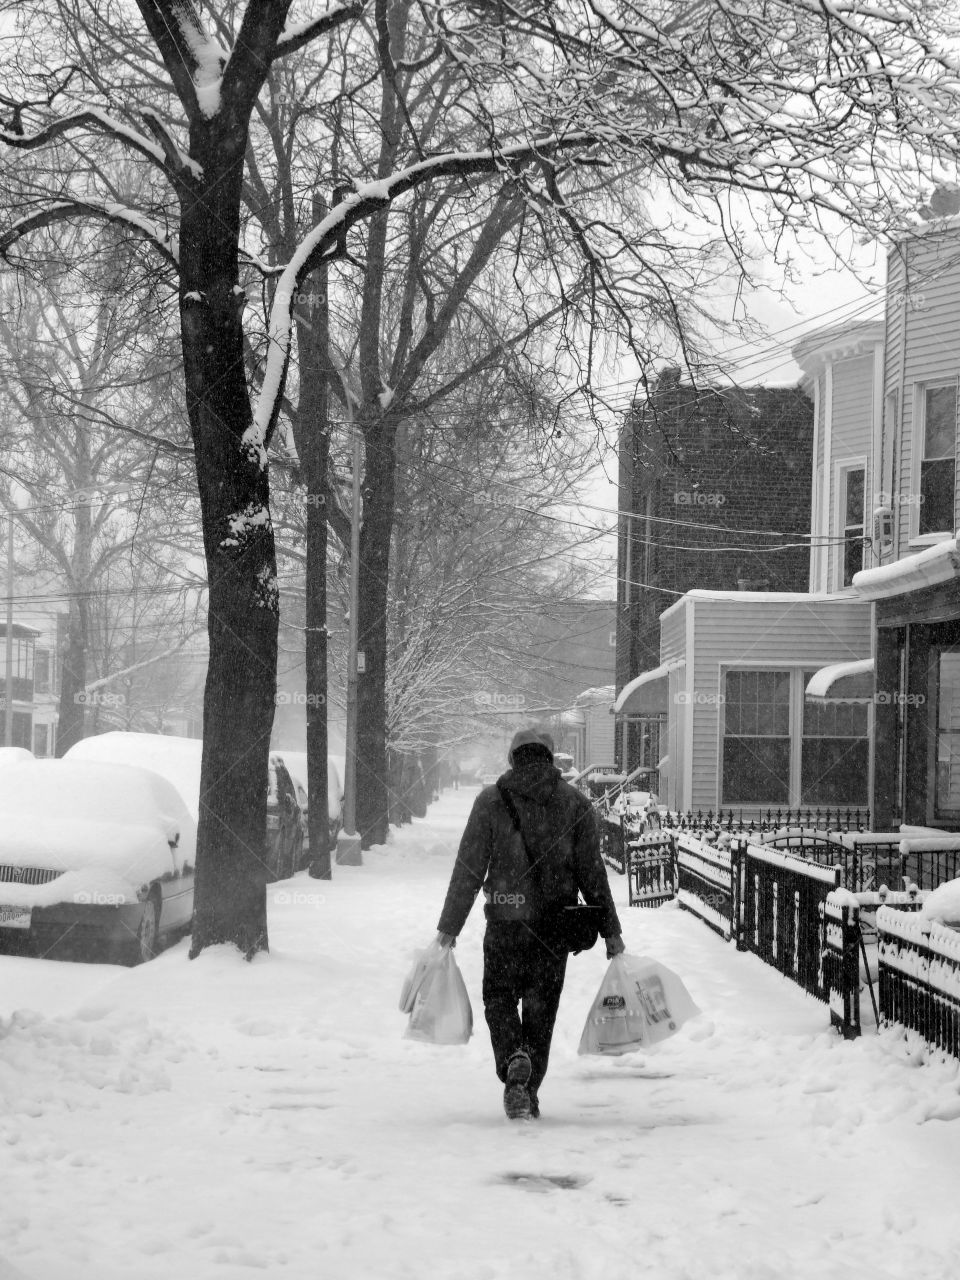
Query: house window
22 729
939 462
853 509
41 672
756 738
834 753
947 781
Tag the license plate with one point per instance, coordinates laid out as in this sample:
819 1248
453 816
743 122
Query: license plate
14 917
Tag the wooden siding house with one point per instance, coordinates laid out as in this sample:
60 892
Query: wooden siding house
729 698
915 584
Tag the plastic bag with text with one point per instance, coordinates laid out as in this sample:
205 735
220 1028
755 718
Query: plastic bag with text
441 1012
640 1003
414 980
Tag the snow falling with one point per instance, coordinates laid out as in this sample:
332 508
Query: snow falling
755 1144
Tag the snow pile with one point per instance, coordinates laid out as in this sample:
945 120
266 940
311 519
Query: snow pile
943 903
216 1119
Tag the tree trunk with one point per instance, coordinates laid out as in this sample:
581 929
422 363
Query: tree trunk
230 899
73 680
312 436
375 535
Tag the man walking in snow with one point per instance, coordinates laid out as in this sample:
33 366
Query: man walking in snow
531 843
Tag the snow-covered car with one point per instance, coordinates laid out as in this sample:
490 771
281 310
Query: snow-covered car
178 759
94 854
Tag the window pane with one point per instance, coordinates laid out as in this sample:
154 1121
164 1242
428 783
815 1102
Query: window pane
756 770
936 496
834 771
854 503
947 787
940 423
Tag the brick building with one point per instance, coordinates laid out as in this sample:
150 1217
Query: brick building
715 493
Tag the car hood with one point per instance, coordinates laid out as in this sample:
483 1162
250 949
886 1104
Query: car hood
114 858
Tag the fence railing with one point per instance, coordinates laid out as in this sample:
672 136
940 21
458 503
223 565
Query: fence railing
612 847
707 882
652 869
783 923
797 915
753 821
840 961
919 977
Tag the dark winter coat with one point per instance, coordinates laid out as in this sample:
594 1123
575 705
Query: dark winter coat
562 836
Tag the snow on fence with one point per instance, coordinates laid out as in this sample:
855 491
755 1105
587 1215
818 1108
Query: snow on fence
652 869
920 977
707 881
930 860
782 901
840 960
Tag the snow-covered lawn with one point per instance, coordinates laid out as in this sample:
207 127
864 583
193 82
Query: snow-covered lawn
214 1119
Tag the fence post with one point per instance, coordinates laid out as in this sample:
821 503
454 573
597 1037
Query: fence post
738 872
850 972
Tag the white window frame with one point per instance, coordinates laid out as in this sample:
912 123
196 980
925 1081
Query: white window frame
920 390
841 471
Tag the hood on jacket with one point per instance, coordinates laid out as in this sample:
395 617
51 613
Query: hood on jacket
536 781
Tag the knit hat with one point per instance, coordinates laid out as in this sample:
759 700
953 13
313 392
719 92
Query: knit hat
530 738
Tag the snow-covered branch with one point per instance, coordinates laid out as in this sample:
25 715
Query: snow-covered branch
65 210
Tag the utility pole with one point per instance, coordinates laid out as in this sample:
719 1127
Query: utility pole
8 688
348 841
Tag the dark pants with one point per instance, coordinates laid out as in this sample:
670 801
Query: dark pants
519 970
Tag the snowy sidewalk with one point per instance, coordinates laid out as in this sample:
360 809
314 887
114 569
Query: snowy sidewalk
214 1120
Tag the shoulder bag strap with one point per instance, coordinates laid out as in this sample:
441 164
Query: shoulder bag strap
511 809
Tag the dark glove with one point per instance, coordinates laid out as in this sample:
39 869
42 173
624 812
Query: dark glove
615 946
446 939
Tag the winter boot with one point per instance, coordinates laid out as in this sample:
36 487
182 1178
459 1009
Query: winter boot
534 1107
516 1098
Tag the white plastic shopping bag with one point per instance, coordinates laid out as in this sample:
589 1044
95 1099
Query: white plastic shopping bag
640 1003
414 980
441 1012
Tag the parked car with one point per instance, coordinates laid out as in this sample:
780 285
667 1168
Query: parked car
94 854
296 763
178 759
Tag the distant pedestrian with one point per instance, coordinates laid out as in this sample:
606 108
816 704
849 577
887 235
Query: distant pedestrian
524 957
455 775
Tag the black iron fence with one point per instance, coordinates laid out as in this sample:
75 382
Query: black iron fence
652 869
792 908
783 896
919 977
749 822
612 845
707 882
840 961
